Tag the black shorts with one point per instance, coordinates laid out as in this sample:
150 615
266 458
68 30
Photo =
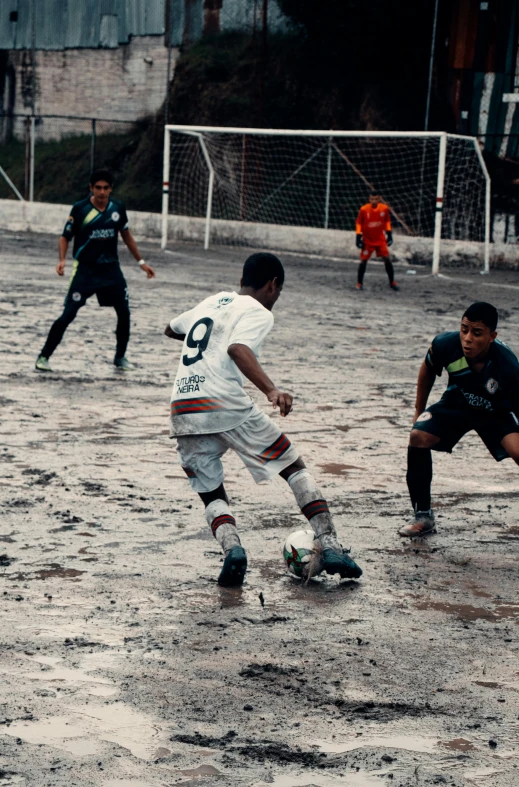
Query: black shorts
105 281
451 423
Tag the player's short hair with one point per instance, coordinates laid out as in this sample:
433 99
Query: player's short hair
483 312
101 174
374 193
260 268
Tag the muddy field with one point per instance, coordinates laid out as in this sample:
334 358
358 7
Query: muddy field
122 662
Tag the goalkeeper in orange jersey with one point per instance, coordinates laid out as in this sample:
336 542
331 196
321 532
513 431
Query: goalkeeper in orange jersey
374 234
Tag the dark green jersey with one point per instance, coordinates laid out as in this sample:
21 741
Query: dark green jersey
95 233
494 389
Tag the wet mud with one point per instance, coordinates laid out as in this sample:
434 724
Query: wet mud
124 664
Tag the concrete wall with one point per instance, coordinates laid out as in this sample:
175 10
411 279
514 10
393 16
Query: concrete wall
119 84
46 217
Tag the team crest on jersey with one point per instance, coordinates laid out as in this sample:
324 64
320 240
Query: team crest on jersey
491 385
224 301
115 216
76 296
382 214
424 417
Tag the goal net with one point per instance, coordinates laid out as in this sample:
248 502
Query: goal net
301 191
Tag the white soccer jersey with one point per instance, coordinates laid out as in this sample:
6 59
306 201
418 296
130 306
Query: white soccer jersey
208 393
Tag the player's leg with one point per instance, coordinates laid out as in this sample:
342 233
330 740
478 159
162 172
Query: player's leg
391 274
122 334
419 480
439 429
365 254
500 433
200 458
114 292
266 452
78 292
315 508
383 252
511 445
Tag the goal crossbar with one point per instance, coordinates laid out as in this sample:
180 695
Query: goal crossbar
442 137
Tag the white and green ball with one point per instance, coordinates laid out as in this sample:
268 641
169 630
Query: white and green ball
298 551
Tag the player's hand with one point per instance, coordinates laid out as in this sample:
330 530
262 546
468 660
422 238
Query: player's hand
148 270
359 241
60 267
282 400
389 238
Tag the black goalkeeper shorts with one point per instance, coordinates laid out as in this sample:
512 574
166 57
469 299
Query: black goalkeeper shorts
451 423
105 281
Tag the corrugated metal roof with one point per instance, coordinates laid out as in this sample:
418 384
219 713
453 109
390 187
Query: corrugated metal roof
71 24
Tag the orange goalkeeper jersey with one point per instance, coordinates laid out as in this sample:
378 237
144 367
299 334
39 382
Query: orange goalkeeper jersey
372 222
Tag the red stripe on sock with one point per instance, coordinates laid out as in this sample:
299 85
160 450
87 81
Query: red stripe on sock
220 520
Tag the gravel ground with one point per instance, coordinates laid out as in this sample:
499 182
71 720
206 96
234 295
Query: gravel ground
123 664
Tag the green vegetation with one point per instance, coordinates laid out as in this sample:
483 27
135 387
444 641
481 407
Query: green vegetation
62 168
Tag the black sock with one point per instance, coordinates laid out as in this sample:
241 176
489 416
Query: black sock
122 332
58 328
389 270
419 477
361 272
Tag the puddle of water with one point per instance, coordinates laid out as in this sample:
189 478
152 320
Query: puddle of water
126 783
358 779
201 771
58 731
458 744
121 724
49 660
336 468
461 611
55 570
103 691
65 674
87 727
489 684
480 775
407 742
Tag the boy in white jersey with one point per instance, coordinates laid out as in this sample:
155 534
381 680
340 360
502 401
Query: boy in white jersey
210 413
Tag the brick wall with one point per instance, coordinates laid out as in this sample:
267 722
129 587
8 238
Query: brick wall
121 84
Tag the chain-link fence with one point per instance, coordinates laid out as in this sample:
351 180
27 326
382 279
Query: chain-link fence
49 158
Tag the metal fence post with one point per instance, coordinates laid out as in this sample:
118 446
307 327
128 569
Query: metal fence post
31 165
439 204
165 189
93 147
328 179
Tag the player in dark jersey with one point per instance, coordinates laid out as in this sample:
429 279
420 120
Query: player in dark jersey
94 223
482 394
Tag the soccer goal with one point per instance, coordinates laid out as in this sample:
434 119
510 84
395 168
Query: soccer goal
301 190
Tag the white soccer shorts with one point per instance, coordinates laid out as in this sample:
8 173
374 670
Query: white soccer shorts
260 444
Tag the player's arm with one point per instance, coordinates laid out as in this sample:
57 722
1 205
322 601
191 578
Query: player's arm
389 231
358 231
426 378
62 248
129 240
249 365
173 334
68 233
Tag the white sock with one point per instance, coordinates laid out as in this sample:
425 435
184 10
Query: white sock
223 524
314 507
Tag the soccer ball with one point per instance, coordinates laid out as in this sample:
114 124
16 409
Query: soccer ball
298 551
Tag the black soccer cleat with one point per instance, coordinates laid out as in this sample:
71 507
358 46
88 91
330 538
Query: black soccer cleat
394 286
339 563
234 568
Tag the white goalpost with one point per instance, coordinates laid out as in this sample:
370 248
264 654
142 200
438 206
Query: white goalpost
301 190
